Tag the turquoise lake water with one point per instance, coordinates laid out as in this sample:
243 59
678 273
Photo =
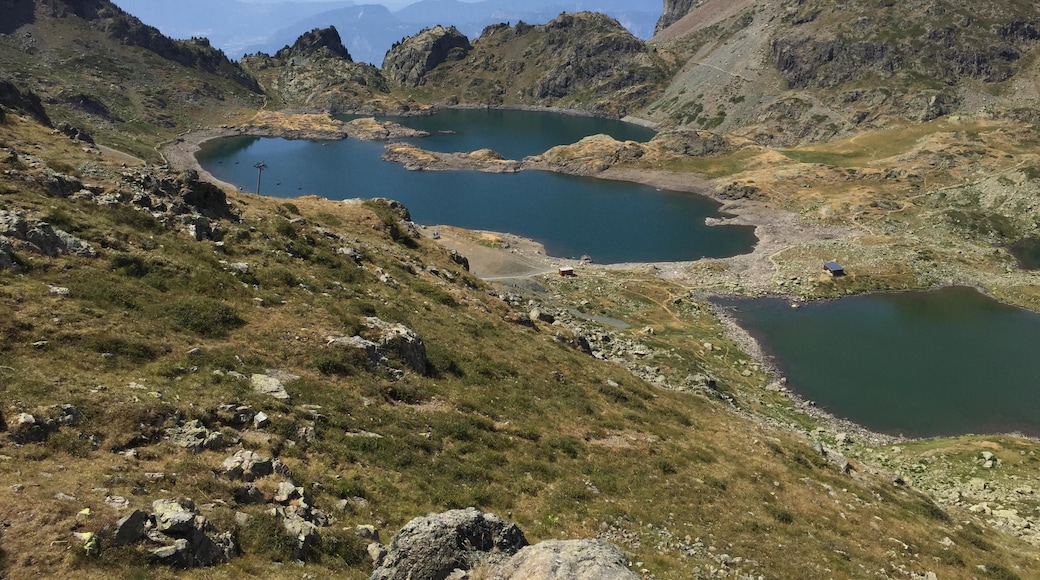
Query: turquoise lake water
946 362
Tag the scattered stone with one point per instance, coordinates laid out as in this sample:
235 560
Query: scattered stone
194 436
117 502
304 532
261 420
368 532
64 497
25 429
269 386
249 494
541 316
247 466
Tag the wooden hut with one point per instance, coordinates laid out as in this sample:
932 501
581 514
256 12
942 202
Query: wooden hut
833 268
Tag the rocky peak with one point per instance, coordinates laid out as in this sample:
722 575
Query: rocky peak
673 11
318 43
408 61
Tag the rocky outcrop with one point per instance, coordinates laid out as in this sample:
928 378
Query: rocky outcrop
436 545
317 72
319 43
387 340
416 159
451 544
19 233
673 11
566 559
409 61
597 153
25 103
581 61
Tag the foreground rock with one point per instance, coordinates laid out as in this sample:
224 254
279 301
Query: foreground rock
566 560
436 545
450 544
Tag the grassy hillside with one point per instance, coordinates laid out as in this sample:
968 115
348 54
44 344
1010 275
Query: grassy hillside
111 90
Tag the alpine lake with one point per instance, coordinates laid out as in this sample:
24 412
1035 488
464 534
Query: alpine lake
917 364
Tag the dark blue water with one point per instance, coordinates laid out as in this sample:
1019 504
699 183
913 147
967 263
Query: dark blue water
513 134
611 221
946 362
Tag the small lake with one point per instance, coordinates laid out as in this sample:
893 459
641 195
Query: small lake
572 216
918 364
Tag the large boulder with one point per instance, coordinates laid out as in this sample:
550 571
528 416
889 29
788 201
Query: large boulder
434 546
408 61
566 560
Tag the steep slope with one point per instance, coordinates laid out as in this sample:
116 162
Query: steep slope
317 72
803 70
100 69
583 61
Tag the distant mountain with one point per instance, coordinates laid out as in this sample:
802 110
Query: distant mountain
230 25
368 30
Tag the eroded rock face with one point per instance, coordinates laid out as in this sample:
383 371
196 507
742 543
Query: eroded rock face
409 61
436 545
566 560
319 42
20 233
673 11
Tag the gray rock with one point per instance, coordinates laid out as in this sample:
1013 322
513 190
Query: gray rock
435 545
566 560
542 316
261 420
269 386
130 528
305 533
286 491
368 532
399 339
248 494
174 516
193 436
117 502
377 552
26 429
176 555
247 466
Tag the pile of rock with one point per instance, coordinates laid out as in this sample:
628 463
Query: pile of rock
290 503
392 339
25 428
181 537
19 233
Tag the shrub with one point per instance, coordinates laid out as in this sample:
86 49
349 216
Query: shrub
130 349
129 265
264 536
204 316
341 362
